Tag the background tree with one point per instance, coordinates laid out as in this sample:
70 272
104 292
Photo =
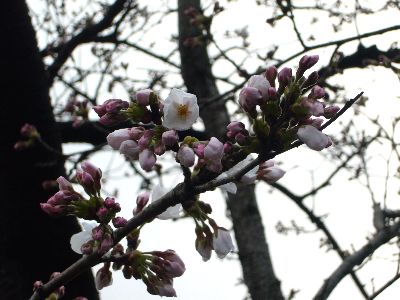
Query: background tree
109 35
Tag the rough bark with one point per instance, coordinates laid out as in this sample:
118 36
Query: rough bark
253 249
32 245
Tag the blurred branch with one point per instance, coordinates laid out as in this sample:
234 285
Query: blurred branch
345 268
86 35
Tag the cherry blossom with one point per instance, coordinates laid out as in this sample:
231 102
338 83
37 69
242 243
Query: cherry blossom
180 110
80 238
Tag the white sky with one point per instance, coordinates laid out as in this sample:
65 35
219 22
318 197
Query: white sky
298 260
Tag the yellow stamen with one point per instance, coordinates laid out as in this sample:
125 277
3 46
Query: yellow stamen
182 111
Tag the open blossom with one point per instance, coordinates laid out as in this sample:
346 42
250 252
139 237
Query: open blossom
173 211
80 238
222 242
313 138
180 110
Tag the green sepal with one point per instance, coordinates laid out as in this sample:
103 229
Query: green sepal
261 129
86 209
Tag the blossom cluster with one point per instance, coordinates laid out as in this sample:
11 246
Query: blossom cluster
280 114
280 111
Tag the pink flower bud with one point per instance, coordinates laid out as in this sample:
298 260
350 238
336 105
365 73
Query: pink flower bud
186 156
222 242
145 140
198 148
271 73
242 138
130 148
29 131
249 97
311 80
86 181
261 84
147 160
284 77
313 138
166 290
272 94
169 138
316 122
143 97
136 132
103 214
22 145
103 278
54 275
228 147
87 248
117 137
119 222
331 111
109 202
141 201
110 106
314 107
97 233
111 119
106 244
213 153
64 184
168 263
269 173
37 285
94 172
317 92
54 211
159 149
203 247
234 128
112 204
306 62
63 197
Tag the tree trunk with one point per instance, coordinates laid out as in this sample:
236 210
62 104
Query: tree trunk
253 249
32 245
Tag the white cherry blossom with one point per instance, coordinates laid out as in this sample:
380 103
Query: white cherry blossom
78 239
180 110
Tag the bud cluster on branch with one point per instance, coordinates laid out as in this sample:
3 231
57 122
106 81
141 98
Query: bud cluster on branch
281 114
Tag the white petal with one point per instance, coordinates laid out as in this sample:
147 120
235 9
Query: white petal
223 243
171 119
173 211
78 239
313 138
